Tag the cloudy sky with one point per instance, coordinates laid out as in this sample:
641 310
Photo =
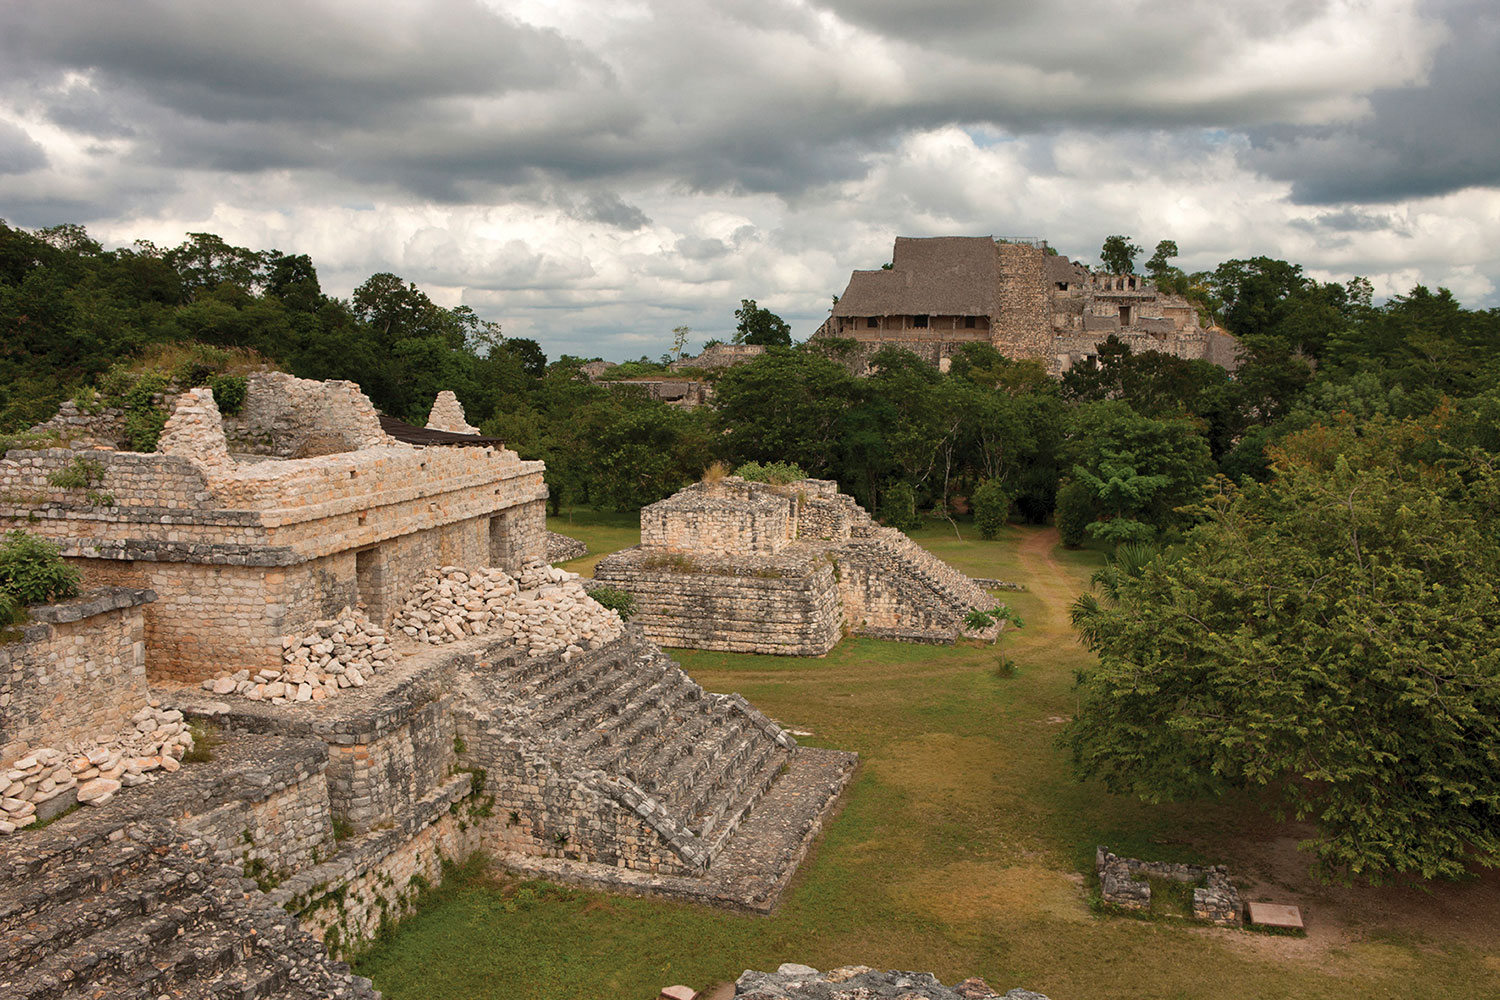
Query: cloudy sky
593 173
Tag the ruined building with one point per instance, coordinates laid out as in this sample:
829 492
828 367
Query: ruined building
943 292
754 568
397 679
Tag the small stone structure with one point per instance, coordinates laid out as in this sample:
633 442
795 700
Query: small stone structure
1122 883
719 356
860 982
749 567
940 293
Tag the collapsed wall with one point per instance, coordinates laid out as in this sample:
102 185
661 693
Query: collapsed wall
749 567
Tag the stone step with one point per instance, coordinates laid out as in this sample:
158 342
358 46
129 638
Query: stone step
74 919
188 963
257 979
692 736
678 788
717 825
564 675
81 868
718 784
116 953
609 740
605 705
580 693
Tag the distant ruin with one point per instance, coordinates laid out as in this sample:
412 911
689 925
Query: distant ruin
753 568
940 293
397 676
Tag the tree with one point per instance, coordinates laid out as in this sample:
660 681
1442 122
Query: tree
1130 474
760 326
991 508
1118 255
1327 636
1160 263
680 336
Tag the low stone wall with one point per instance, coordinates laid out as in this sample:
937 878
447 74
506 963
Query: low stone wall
787 604
1122 883
77 673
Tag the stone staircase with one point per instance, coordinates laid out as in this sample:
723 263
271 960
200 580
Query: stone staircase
934 595
626 720
97 910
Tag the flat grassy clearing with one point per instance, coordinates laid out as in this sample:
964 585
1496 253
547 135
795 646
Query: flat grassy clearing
961 849
602 531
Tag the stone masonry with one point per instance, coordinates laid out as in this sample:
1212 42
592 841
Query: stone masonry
242 549
860 982
748 567
1122 883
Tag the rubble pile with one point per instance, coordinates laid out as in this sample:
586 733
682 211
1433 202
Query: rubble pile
544 609
340 652
50 779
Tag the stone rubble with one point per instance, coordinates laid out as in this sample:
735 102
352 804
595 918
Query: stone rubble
544 609
50 779
333 654
860 982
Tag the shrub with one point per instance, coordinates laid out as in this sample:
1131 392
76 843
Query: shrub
32 570
229 392
1075 512
79 474
715 473
143 429
991 508
621 601
900 507
775 473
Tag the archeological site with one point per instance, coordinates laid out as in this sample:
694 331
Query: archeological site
939 293
396 678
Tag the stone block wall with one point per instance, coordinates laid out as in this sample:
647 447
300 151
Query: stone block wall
289 417
1023 327
1122 883
706 520
785 605
77 672
273 819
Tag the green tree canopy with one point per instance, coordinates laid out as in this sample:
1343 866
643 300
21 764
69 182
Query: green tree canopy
1118 254
1328 636
760 326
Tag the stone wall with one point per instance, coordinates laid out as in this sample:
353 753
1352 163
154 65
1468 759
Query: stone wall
448 415
786 604
561 548
1023 328
718 519
289 417
77 672
801 982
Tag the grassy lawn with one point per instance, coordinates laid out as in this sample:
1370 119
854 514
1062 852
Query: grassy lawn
961 850
602 531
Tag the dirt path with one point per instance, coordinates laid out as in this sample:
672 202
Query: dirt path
1048 580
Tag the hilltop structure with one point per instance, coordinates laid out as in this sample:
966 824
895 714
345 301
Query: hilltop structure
362 611
940 293
755 568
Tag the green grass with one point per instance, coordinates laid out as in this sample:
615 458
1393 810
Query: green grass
963 848
602 531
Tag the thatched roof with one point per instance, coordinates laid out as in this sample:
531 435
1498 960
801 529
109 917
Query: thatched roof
939 276
1060 268
424 436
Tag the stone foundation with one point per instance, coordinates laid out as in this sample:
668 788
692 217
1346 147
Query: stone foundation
1122 883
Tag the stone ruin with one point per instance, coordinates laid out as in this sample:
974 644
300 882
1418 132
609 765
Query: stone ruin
860 982
754 568
1122 883
351 757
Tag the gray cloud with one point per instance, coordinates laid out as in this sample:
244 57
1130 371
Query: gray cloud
1430 139
19 152
608 208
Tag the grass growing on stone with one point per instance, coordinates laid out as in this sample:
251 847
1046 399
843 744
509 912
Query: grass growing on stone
963 848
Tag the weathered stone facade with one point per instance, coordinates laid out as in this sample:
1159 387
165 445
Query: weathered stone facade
76 672
943 292
748 567
243 550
